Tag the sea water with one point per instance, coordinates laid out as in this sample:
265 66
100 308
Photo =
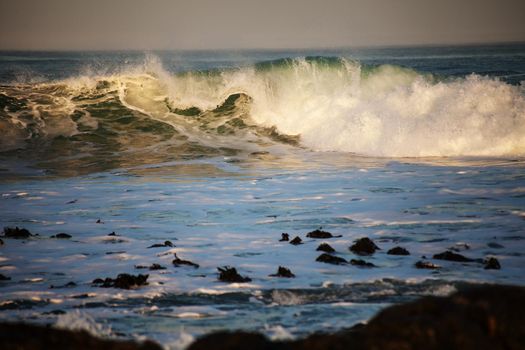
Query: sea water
221 152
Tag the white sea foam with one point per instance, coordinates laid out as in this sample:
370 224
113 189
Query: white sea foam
77 320
387 111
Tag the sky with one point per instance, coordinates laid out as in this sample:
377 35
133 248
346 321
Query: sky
250 24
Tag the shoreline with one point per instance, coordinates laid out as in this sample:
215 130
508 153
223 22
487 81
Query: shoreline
483 317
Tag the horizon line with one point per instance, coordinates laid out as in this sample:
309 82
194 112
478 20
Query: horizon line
327 48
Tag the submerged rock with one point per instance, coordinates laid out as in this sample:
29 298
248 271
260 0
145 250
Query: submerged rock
331 259
177 262
325 247
123 281
296 241
426 265
21 336
1 242
360 262
67 285
283 272
319 233
451 256
495 245
162 245
113 234
230 274
61 236
398 251
4 278
152 267
16 232
364 246
284 237
459 247
491 263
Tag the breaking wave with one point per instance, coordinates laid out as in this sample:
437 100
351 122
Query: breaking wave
321 103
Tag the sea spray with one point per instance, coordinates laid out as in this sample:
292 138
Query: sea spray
328 103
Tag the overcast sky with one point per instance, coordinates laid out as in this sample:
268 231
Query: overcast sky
227 24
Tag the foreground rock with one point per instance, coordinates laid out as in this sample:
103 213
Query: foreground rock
4 278
331 259
398 251
178 262
61 236
491 264
481 318
152 267
427 265
36 337
320 234
16 232
162 245
325 247
364 246
361 263
296 241
451 256
230 274
123 281
283 272
285 237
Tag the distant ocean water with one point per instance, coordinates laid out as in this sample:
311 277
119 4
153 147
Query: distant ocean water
221 152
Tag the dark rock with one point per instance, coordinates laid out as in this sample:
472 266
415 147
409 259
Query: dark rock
99 221
162 245
67 285
116 252
398 251
4 278
319 233
152 267
283 272
113 234
451 256
178 262
362 263
331 259
426 265
123 281
16 232
459 247
284 237
478 318
72 201
21 336
296 241
492 264
230 274
364 246
61 236
325 247
55 312
1 242
239 340
495 245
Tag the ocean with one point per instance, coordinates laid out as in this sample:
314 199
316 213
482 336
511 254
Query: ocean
221 152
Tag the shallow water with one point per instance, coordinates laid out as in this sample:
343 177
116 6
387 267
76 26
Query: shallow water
232 213
223 187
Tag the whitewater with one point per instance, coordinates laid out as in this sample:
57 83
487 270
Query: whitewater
221 153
